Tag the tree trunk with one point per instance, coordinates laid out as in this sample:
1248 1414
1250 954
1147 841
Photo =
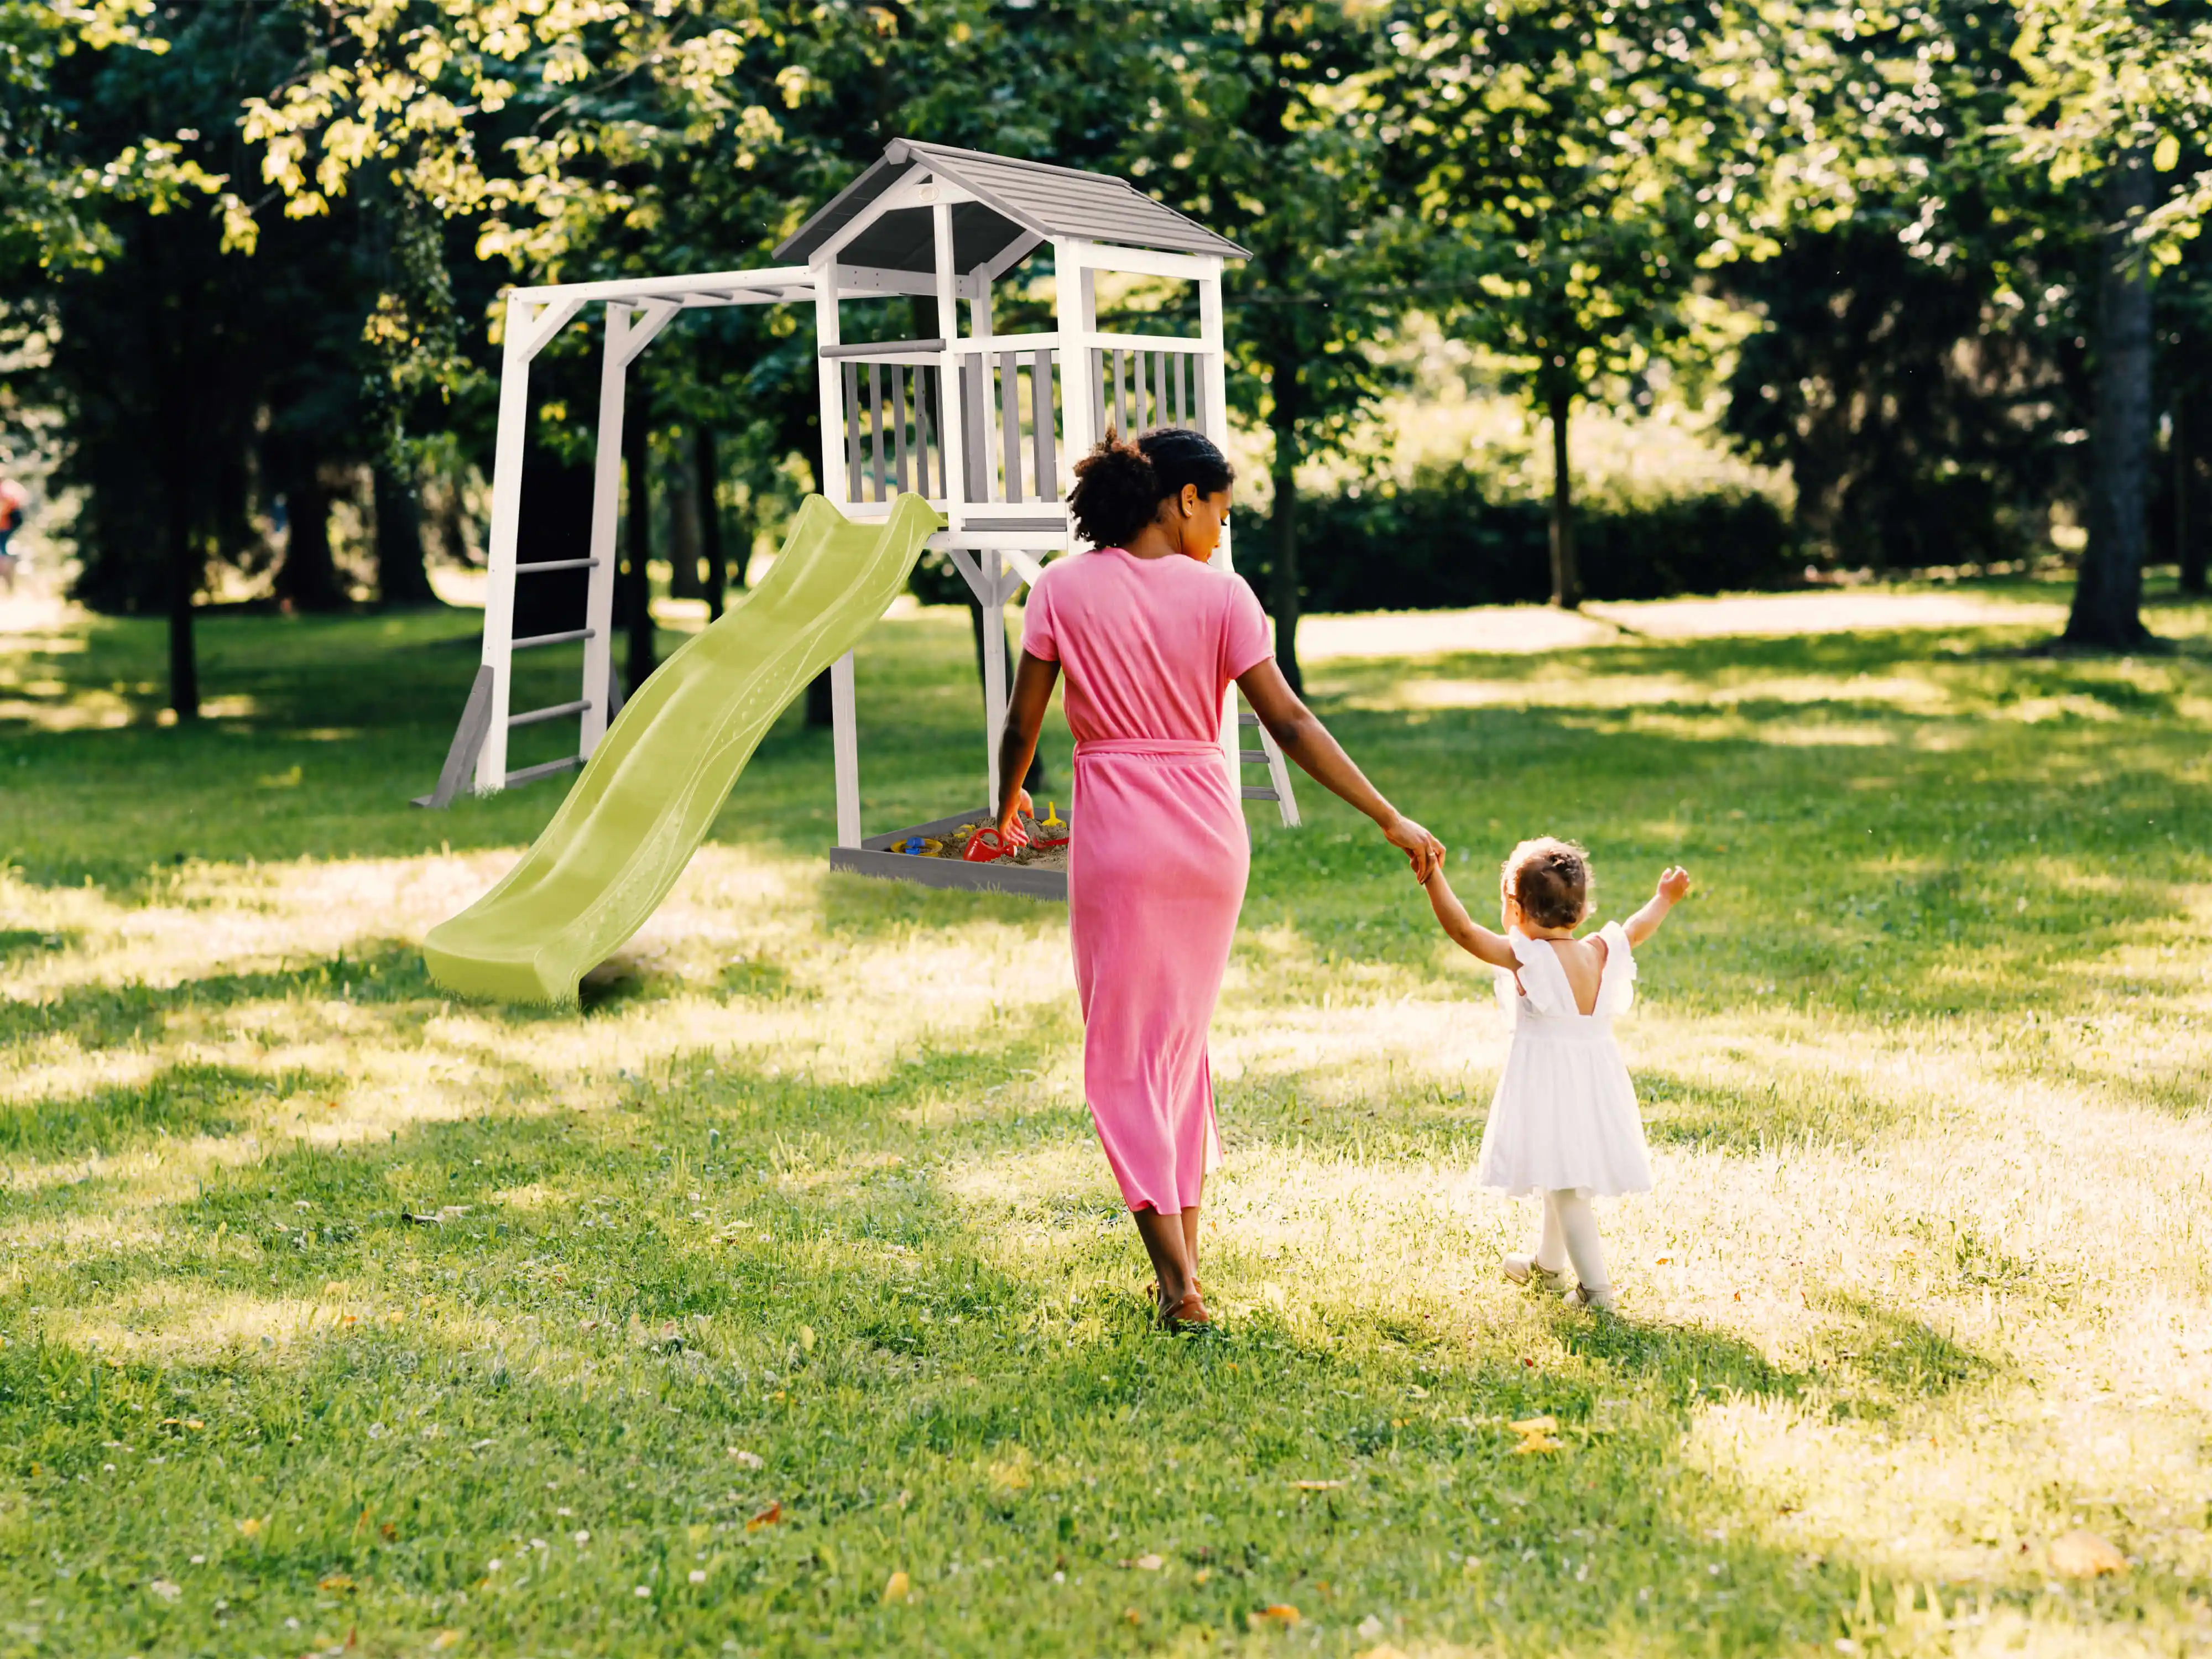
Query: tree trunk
1283 519
308 579
2108 593
680 490
707 473
2187 533
637 574
1566 574
403 577
184 573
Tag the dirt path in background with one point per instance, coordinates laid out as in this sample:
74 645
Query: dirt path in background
1529 628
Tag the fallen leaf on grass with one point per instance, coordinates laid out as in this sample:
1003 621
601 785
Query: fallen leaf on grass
1316 1486
446 1639
1145 1564
768 1517
2081 1554
1279 1615
1537 1434
897 1587
746 1460
336 1580
167 1590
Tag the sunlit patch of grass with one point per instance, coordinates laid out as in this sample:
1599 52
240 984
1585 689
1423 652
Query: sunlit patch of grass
801 1217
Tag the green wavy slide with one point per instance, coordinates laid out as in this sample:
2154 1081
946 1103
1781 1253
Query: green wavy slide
645 800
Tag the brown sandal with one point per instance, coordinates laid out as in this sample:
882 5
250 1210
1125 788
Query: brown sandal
1189 1314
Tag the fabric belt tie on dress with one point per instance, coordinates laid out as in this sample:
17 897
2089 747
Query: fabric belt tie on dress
1162 748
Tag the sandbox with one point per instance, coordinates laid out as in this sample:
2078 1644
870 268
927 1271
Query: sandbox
1033 872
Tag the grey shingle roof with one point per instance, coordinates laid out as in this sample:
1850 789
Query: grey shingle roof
1014 198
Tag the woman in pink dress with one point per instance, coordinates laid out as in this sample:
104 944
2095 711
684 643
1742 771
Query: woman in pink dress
1150 638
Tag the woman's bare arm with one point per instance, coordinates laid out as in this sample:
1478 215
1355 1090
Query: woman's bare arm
1466 932
1033 681
1300 734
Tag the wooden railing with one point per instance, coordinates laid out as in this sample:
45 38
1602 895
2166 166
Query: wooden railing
893 443
1167 387
1012 423
1011 428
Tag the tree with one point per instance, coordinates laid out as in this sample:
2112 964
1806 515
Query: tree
2031 137
2108 96
1577 166
155 349
1264 134
1923 418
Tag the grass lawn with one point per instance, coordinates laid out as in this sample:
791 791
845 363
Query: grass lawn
780 1301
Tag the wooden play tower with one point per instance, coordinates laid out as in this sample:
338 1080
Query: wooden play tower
985 424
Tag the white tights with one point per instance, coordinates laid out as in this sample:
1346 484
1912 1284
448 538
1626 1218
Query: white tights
1569 1233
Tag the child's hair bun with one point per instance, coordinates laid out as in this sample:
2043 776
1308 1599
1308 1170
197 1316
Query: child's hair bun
1550 879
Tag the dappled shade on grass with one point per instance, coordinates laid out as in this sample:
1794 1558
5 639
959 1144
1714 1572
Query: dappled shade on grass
787 1268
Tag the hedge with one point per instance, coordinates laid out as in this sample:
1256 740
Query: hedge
1440 543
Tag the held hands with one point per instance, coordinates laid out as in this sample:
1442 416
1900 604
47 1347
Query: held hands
1673 884
1422 850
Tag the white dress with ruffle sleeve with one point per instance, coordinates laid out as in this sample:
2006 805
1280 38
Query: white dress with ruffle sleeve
1565 1115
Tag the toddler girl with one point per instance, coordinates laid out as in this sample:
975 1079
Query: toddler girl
1564 1123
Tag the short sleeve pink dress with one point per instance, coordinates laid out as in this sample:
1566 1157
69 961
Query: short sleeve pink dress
1159 858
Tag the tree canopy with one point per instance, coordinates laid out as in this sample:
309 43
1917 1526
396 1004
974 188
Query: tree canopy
1958 240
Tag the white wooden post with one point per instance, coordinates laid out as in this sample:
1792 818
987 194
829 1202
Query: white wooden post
844 717
845 750
831 386
994 665
606 493
952 419
979 321
1069 284
1213 396
515 353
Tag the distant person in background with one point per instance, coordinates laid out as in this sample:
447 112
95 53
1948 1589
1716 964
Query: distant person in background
13 500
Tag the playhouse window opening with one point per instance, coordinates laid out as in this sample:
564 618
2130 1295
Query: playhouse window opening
1130 302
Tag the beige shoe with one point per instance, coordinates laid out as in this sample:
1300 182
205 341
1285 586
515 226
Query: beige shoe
1523 1269
1582 1296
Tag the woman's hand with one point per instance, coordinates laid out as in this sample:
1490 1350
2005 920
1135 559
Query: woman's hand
1422 850
1009 825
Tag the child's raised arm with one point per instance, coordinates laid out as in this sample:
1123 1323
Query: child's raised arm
1466 932
1672 885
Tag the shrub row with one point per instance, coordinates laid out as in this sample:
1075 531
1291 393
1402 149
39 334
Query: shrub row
1442 542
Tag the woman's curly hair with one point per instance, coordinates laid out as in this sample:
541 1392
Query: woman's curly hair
1118 485
1551 879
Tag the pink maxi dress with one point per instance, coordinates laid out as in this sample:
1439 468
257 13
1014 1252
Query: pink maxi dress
1160 856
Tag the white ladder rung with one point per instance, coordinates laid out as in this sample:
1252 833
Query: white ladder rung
556 564
568 638
550 712
528 773
1269 755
